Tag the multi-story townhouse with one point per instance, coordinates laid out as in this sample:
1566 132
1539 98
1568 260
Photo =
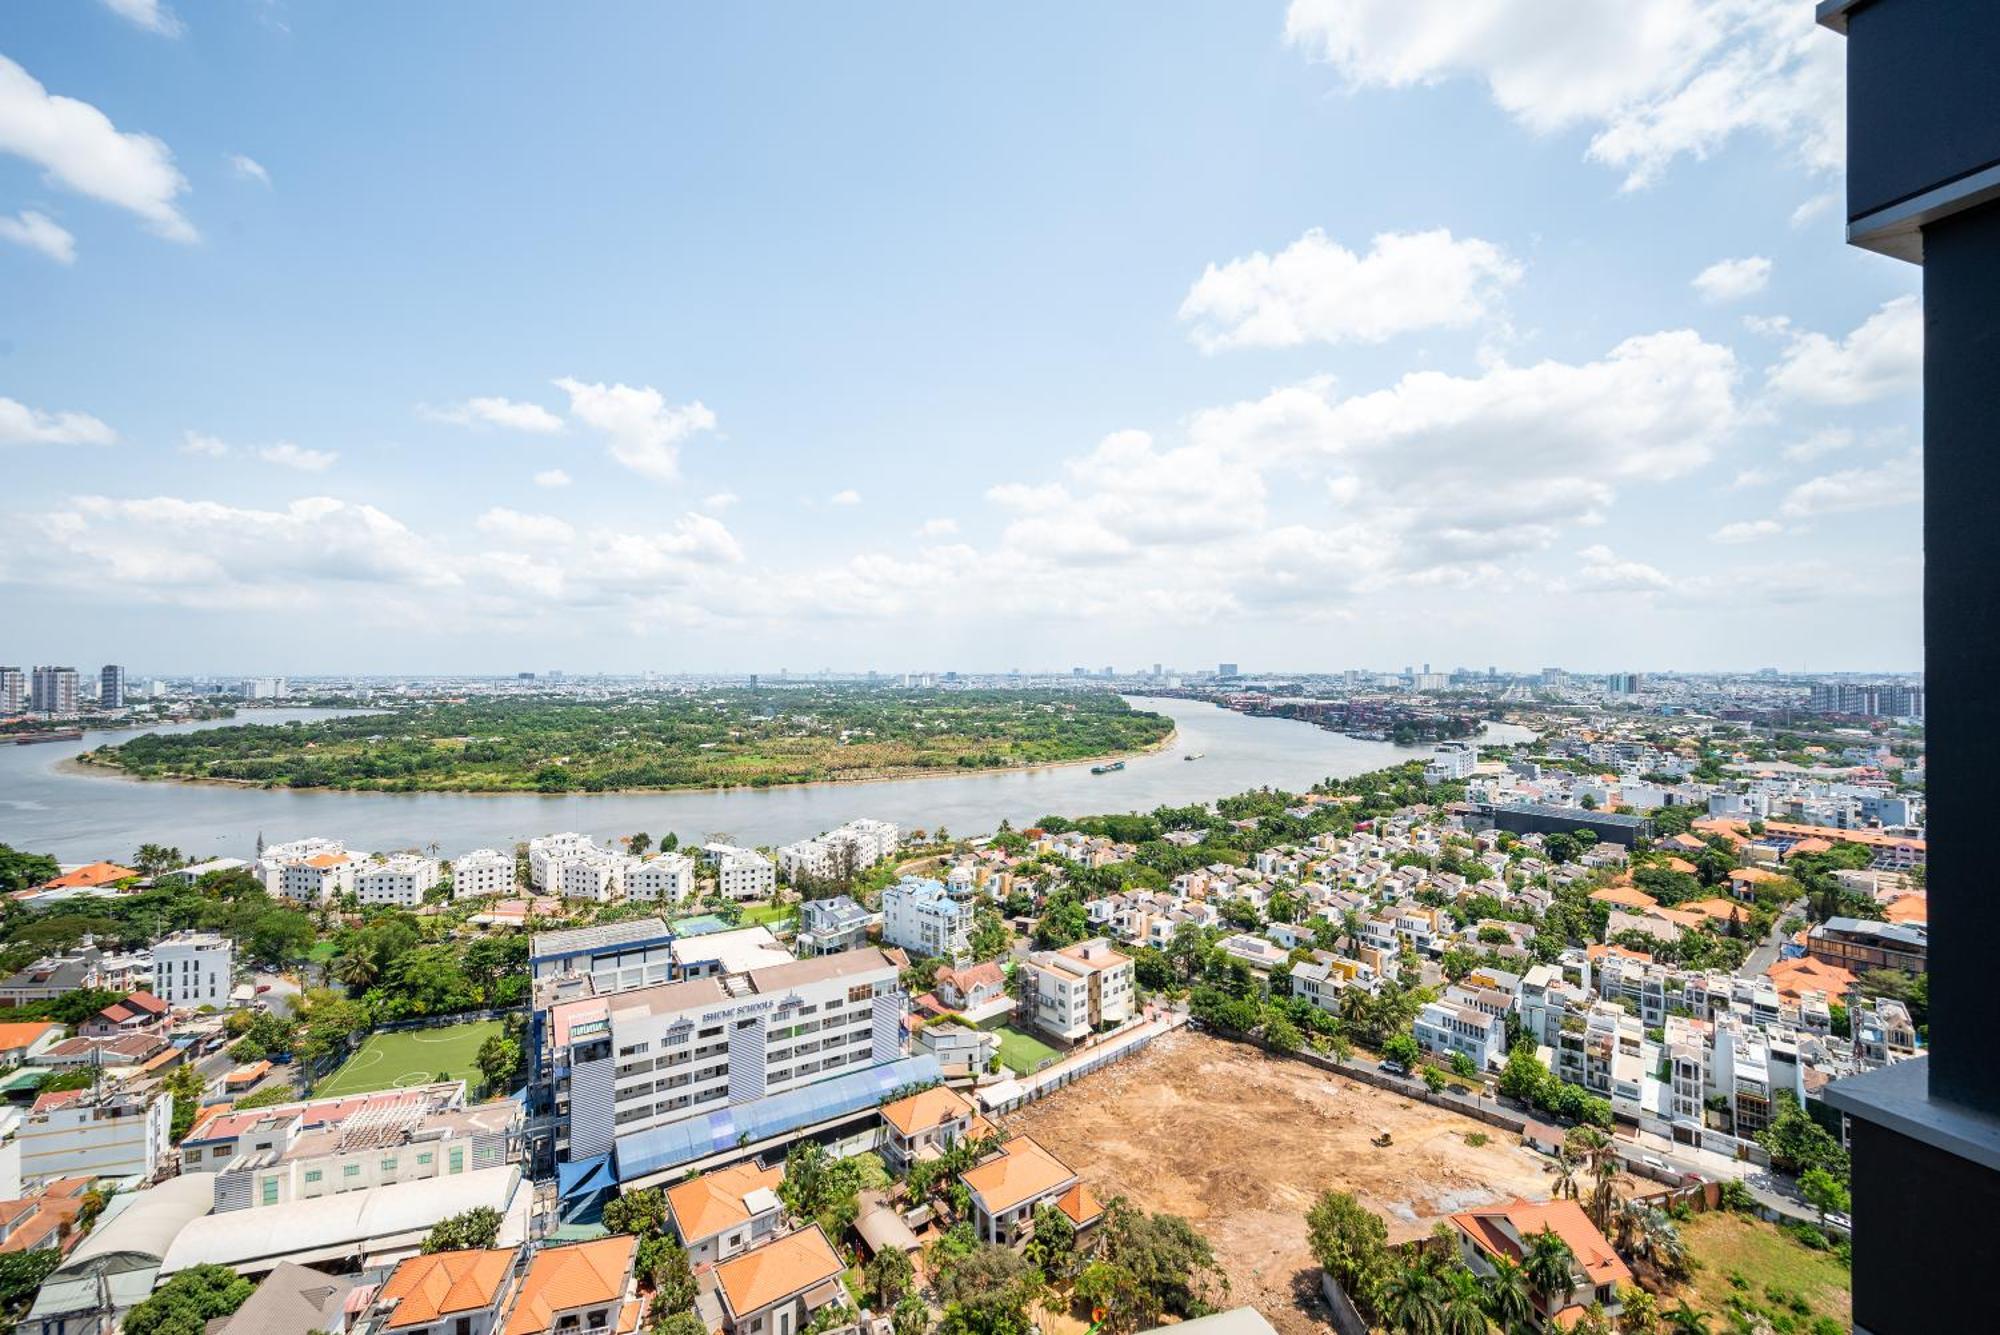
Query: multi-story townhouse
194 969
920 915
1076 991
396 878
1882 1030
482 873
1445 1028
1007 1186
569 1288
1687 1045
665 878
726 1211
637 1060
828 926
778 1288
928 1123
446 1293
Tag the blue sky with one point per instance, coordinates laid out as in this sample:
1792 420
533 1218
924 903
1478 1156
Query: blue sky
1350 332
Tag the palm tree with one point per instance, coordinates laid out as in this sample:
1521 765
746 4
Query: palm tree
1684 1320
1567 1175
1508 1300
1663 1243
1463 1311
356 972
1409 1299
1551 1269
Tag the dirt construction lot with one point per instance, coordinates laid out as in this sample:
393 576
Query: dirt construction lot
1240 1144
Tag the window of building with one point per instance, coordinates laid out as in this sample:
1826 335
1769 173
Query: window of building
270 1191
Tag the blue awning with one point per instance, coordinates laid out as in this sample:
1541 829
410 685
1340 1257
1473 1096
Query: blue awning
584 1176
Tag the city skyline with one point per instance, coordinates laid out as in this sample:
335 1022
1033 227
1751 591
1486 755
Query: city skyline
1275 328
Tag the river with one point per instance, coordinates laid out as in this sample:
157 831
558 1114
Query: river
46 807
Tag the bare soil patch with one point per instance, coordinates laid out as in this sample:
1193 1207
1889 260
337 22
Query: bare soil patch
1240 1143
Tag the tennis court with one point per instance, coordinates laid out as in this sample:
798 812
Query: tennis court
402 1058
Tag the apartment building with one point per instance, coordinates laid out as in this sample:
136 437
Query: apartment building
595 874
308 871
665 878
53 690
13 690
482 873
652 1056
1080 989
1861 944
741 873
79 1133
111 687
1447 1029
920 915
838 854
327 1147
396 878
1451 760
546 848
194 969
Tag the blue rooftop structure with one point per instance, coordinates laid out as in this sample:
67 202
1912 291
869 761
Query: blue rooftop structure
683 1142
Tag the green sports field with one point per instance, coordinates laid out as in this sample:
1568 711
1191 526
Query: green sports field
407 1057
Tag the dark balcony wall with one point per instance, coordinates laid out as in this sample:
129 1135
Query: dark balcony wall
1923 1238
1919 112
1962 632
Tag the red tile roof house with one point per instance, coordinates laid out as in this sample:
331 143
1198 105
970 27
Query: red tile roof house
45 1222
23 1040
138 1013
1509 1231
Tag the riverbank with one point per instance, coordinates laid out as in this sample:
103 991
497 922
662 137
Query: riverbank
83 765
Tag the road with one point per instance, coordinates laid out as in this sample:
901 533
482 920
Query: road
1766 952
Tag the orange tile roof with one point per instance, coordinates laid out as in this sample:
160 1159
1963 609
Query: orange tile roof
325 860
429 1288
1681 865
790 1265
89 877
1594 1255
1757 874
1021 1171
706 1205
1719 909
1908 908
1795 978
1080 1203
1599 951
1624 895
24 1034
581 1274
926 1109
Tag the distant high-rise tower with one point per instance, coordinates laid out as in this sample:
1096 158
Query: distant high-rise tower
54 690
1226 670
111 687
13 690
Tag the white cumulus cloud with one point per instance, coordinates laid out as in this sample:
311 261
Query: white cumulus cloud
1733 280
1652 82
644 430
845 496
22 425
492 410
1883 356
249 168
38 231
1899 481
524 529
287 455
552 477
1319 291
1747 530
151 15
203 446
77 147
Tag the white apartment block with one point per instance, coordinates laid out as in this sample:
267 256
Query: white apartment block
742 873
1080 989
655 1055
920 915
550 846
838 854
309 871
481 873
596 874
120 1135
1451 760
664 877
193 969
397 878
1447 1029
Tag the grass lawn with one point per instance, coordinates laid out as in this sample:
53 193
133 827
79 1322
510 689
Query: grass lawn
1022 1052
1765 1258
321 952
768 915
412 1057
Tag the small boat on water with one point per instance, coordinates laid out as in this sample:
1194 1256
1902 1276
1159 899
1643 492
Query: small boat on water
1194 755
1112 768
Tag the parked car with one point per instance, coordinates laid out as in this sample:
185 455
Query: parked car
1393 1068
